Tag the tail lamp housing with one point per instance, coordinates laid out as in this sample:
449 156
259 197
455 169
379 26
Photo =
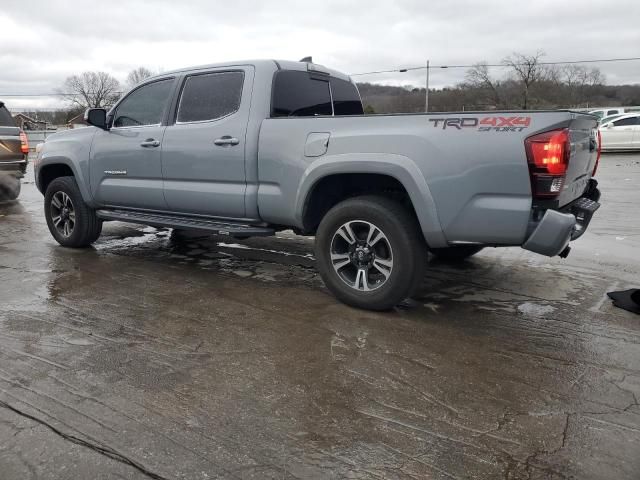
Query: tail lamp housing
24 142
548 159
599 140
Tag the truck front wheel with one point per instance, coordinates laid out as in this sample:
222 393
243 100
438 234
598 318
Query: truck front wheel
71 222
370 252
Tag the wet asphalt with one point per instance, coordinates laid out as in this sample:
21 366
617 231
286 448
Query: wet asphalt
157 356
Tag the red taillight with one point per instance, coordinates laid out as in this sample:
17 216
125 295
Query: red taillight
24 143
548 158
599 137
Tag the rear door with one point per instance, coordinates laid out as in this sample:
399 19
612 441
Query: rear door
203 151
125 166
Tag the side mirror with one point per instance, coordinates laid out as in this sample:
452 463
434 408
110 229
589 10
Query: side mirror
96 117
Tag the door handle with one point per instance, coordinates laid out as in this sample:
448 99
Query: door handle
226 140
150 142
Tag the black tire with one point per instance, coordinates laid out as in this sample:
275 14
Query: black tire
86 226
457 253
403 246
9 188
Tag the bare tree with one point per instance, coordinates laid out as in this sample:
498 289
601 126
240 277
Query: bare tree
577 79
527 70
91 90
479 77
138 75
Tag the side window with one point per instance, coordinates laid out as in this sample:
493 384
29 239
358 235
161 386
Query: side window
623 122
210 96
144 106
612 112
346 99
299 94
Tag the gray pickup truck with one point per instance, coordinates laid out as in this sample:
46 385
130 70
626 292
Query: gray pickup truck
251 148
14 151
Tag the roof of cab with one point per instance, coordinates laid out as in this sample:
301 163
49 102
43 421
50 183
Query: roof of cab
278 64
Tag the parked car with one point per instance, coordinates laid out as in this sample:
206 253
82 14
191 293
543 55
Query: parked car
250 148
14 151
609 118
621 133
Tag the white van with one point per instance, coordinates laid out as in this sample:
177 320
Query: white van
606 112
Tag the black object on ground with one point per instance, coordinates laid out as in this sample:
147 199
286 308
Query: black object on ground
627 299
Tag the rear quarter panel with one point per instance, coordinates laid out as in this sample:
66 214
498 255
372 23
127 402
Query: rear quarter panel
467 183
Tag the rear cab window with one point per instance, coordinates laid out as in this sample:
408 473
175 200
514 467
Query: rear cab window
307 94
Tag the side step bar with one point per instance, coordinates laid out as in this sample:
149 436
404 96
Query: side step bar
184 222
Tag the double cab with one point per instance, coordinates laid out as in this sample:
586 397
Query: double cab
254 147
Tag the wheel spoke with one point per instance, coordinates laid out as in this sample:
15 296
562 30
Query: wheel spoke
383 266
65 199
56 202
340 260
374 235
362 282
56 220
346 232
67 229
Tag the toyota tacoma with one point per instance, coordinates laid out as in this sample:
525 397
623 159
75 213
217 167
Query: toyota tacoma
251 148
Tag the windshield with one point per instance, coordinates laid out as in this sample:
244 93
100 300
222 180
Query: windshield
609 118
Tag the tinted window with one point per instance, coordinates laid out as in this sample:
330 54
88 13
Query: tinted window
626 121
346 100
210 96
612 112
299 94
6 120
144 106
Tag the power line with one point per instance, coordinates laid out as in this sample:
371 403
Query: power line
395 70
423 67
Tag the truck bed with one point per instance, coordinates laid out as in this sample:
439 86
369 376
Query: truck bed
472 166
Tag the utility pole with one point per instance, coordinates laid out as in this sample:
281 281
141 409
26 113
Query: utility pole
426 95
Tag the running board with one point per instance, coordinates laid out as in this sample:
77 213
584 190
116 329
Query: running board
187 223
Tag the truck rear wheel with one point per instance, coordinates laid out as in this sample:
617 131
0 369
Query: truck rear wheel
9 188
456 253
370 252
71 222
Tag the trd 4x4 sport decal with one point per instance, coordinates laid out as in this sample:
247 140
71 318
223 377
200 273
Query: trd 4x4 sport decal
483 124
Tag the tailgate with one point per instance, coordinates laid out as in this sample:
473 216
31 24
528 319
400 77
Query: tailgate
583 157
10 145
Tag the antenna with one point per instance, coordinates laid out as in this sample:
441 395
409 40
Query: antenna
307 59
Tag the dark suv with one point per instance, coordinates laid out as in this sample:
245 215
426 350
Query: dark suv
14 150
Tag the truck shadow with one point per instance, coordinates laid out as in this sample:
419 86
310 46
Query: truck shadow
493 280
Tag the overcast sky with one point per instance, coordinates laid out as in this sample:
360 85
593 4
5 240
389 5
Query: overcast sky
42 42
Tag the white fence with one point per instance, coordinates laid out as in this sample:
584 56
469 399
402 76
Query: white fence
38 136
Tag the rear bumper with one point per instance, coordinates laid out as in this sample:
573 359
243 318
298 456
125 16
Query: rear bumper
557 228
15 167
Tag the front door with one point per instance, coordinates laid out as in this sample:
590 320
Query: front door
126 161
203 150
